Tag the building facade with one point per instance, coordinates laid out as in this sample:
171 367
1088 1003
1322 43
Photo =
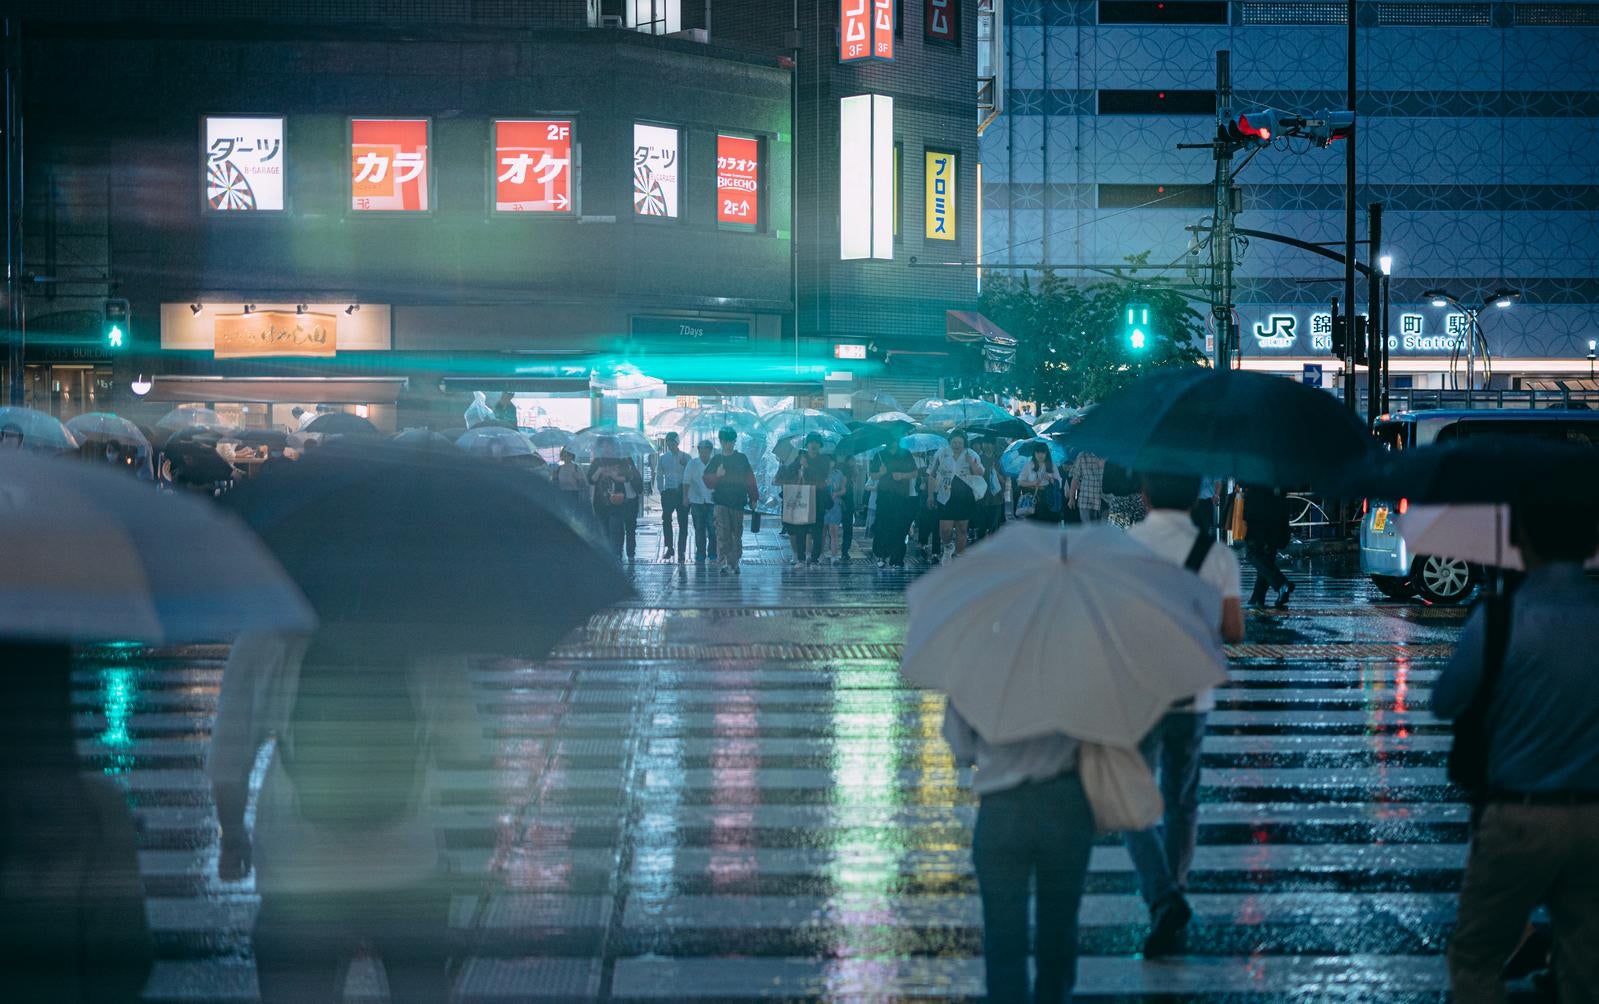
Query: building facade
1478 132
329 207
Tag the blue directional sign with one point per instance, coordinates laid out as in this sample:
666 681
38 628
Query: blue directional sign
1312 375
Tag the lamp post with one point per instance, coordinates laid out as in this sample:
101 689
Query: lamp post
1593 353
1385 264
1501 299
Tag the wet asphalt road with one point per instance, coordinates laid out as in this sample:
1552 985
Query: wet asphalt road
724 792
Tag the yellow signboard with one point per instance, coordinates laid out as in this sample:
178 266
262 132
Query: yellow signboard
940 181
275 333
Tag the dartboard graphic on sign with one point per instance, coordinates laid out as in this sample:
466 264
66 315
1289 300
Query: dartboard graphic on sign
654 170
226 187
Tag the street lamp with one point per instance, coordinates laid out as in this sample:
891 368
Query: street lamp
1500 299
1593 353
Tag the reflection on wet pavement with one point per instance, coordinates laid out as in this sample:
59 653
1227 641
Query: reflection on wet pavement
725 793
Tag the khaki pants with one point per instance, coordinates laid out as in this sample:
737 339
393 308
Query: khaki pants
729 535
1521 856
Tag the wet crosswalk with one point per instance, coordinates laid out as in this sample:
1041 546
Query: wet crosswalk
724 792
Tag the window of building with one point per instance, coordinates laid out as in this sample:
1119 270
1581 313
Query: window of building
1157 102
652 17
1156 196
1162 12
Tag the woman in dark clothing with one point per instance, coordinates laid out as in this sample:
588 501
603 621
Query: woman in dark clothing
1266 519
618 487
896 474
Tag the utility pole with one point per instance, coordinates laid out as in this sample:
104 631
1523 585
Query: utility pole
1374 332
1350 390
1221 237
12 125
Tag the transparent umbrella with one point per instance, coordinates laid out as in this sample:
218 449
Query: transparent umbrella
789 447
670 420
965 414
923 442
925 405
799 421
496 444
892 416
183 418
125 445
627 443
708 423
871 402
24 428
1018 453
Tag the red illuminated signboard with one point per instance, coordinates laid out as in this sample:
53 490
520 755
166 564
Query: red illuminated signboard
533 165
941 20
389 165
738 180
883 29
854 30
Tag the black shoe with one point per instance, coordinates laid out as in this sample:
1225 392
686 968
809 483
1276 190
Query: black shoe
1168 927
1282 597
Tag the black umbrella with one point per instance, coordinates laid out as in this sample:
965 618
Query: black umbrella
342 423
870 436
195 462
272 439
1483 470
431 551
1253 427
1010 428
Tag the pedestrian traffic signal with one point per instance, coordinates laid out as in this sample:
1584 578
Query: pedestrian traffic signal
1326 126
1362 338
1253 128
1136 330
1341 340
115 324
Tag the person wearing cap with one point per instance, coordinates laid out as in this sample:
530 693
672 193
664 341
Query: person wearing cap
731 480
670 469
701 507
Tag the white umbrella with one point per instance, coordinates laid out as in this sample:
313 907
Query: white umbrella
1085 632
33 430
1479 534
95 556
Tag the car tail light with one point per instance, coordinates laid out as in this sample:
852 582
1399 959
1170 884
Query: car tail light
1365 506
1404 506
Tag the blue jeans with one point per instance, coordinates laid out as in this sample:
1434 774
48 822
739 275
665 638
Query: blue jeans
1037 834
1163 853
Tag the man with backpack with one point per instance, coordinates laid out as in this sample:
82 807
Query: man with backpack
1523 675
345 848
1162 854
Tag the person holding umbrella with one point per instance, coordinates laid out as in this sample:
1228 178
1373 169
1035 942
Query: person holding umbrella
1043 491
731 480
809 470
950 487
700 505
896 474
991 507
670 471
1266 520
569 479
618 486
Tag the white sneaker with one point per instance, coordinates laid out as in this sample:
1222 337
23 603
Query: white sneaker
882 562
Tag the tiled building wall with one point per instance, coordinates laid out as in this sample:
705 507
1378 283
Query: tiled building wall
1479 134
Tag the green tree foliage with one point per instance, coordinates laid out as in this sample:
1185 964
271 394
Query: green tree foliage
1070 339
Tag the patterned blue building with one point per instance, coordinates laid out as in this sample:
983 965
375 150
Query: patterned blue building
1479 133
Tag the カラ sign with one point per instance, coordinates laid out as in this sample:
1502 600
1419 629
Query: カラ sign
738 174
389 165
533 165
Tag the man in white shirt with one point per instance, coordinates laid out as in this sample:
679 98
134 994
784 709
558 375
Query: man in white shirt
670 468
1162 854
701 507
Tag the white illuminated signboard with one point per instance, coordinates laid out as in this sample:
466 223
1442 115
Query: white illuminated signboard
866 177
243 164
655 170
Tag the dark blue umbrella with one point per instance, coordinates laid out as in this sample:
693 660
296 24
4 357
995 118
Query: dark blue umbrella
870 436
431 550
1254 427
342 423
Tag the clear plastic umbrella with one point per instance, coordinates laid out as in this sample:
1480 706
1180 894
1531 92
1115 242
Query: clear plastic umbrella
892 416
1479 534
708 423
549 438
923 442
125 445
789 447
626 443
183 418
24 428
799 421
965 414
870 402
496 443
1018 453
670 420
925 405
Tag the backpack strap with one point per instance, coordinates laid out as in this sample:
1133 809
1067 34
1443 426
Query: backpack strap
1199 552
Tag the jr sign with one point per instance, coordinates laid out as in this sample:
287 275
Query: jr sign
1291 332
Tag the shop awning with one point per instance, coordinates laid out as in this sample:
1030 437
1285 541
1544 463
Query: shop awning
276 390
968 327
519 384
723 388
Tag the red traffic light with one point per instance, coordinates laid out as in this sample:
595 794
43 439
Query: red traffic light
1252 128
1249 130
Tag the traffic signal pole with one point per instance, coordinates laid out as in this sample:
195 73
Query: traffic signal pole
1221 238
1374 332
1351 393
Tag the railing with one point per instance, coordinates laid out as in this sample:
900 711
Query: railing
1418 399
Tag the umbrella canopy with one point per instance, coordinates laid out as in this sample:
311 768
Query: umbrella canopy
496 444
798 421
925 405
196 462
1254 427
342 423
969 413
549 438
871 437
1010 428
93 556
626 381
425 439
1017 454
434 552
893 416
24 428
609 440
708 423
1486 469
1086 633
104 427
183 418
788 448
871 402
1476 533
272 439
923 442
670 420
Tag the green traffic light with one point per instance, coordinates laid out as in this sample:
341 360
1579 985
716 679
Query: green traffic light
113 336
1137 322
1137 338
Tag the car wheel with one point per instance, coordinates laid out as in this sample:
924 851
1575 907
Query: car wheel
1393 587
1445 581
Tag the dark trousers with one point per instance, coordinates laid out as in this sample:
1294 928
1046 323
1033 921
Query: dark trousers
1264 557
620 523
989 518
848 503
893 521
1163 853
303 943
704 529
1032 840
799 534
672 504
